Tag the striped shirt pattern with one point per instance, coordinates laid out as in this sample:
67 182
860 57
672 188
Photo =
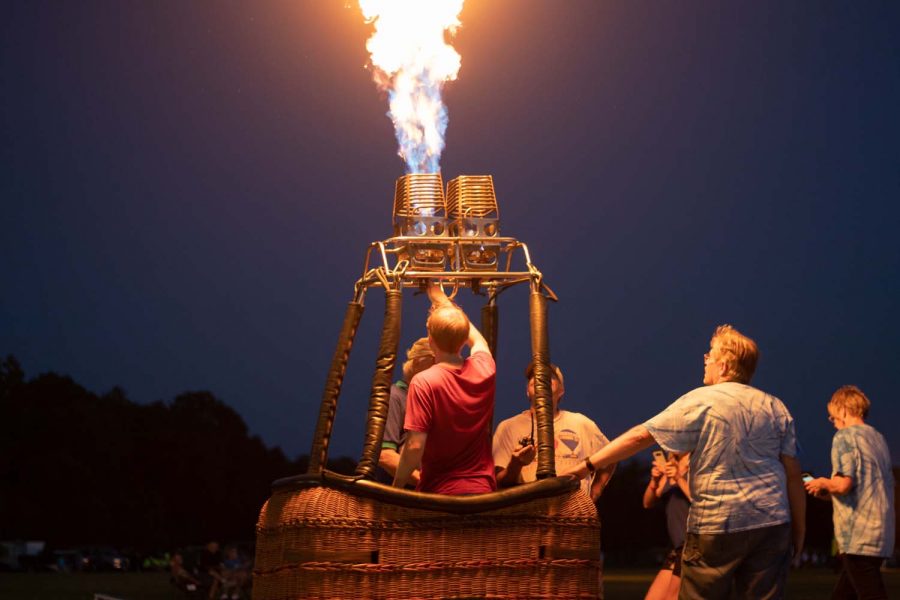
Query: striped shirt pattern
863 518
736 435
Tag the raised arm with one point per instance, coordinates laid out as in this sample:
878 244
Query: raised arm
476 341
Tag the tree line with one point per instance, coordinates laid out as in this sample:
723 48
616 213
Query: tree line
79 468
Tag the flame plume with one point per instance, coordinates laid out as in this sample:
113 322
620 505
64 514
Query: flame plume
411 61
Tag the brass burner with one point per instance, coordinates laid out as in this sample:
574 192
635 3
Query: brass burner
419 211
473 212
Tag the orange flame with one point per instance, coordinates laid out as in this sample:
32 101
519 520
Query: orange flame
412 62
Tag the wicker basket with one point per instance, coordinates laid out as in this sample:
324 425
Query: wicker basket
323 542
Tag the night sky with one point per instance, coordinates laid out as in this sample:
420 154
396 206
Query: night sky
188 190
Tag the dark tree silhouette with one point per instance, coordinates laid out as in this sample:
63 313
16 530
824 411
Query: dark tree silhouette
78 468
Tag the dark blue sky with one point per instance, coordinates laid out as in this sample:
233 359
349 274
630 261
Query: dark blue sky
188 189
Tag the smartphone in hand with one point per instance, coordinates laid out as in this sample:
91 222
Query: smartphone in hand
659 457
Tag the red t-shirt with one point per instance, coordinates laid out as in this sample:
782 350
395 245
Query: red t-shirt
455 407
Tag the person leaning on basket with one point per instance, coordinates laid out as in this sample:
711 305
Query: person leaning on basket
748 502
449 408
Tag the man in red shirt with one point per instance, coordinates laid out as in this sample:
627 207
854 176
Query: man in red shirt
449 408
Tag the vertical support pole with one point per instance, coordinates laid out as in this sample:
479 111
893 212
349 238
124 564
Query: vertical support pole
379 398
490 323
318 455
543 400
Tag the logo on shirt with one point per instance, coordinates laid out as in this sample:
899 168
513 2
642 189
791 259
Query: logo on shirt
569 439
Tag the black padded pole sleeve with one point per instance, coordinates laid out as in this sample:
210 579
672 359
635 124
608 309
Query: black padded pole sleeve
380 396
318 455
543 401
489 325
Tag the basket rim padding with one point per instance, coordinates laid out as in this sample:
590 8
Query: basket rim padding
474 503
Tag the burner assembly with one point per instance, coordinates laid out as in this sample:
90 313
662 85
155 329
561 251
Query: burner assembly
453 236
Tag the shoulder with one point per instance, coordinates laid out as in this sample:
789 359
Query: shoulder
776 402
707 392
481 357
426 377
424 383
514 420
845 439
578 418
585 424
702 396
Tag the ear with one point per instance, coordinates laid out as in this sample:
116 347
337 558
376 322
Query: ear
722 368
561 389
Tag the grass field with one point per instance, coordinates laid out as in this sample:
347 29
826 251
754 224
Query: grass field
810 584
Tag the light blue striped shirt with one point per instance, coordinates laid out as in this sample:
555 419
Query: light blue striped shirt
863 518
736 435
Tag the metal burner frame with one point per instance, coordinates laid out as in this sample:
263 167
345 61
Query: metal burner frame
400 272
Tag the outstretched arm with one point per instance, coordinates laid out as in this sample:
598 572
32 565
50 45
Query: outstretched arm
628 444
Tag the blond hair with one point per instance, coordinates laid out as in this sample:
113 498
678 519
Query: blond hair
737 351
448 327
416 357
851 400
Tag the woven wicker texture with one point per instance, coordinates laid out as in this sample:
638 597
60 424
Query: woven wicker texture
324 543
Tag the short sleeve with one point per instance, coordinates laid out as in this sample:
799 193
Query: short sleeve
485 362
393 427
595 436
678 427
844 455
789 445
419 410
502 445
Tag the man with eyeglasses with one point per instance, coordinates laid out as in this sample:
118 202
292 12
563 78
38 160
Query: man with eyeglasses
748 502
